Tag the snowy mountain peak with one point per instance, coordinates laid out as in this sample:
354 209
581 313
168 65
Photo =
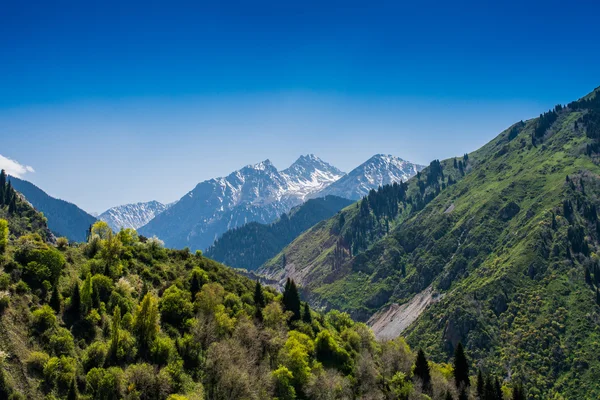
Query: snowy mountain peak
132 215
379 170
257 192
261 166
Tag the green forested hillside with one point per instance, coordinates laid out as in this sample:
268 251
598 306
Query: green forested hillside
122 317
505 238
250 245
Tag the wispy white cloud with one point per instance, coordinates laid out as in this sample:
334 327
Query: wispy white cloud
13 167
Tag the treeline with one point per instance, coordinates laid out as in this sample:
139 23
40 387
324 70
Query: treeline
252 244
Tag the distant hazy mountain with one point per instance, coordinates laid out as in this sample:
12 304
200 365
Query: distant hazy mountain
377 171
132 215
64 218
257 192
250 245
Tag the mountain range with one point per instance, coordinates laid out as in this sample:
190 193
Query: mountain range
496 250
64 218
261 193
379 170
133 215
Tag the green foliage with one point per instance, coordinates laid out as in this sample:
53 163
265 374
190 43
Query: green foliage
3 235
175 307
145 323
181 342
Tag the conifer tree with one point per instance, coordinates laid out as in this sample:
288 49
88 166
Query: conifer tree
588 277
480 385
55 298
86 294
306 317
114 334
12 205
463 395
75 307
291 299
72 395
448 396
461 367
195 284
498 390
422 371
259 301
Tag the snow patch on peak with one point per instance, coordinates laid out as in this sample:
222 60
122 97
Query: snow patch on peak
132 215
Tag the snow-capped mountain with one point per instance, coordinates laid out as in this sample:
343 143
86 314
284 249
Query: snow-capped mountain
377 171
132 215
256 192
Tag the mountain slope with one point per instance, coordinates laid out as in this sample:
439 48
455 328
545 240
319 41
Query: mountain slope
505 240
75 324
250 245
257 192
64 218
132 215
377 171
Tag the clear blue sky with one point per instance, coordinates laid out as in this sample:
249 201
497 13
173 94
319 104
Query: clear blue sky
113 103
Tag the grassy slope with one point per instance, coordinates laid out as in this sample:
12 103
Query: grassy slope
507 295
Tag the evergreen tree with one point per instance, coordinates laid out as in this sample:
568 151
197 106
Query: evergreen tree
72 395
480 385
55 298
518 393
463 395
291 299
490 393
114 334
2 187
306 317
75 307
461 367
86 294
259 301
12 205
422 371
195 284
498 390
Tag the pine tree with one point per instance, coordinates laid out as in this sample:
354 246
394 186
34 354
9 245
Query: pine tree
55 298
195 285
73 395
2 187
461 367
490 393
291 299
12 205
518 393
75 307
498 390
306 317
86 294
259 301
480 385
422 371
114 334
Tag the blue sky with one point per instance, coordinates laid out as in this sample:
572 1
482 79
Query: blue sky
113 103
